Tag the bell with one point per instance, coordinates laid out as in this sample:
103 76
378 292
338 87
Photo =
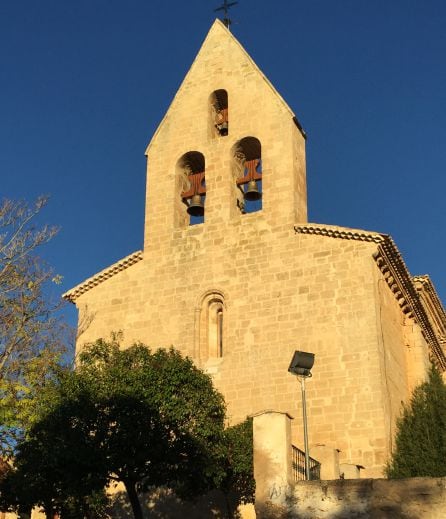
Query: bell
223 128
196 207
252 193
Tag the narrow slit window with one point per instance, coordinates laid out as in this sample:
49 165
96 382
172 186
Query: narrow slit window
220 115
215 328
212 327
220 332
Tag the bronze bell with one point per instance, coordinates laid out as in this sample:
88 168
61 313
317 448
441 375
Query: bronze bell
196 207
223 128
252 193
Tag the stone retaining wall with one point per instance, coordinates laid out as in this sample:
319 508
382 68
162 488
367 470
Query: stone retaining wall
414 498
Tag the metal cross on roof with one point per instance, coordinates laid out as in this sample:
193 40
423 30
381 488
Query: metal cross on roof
225 7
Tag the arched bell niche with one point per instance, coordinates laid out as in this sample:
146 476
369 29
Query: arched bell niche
247 168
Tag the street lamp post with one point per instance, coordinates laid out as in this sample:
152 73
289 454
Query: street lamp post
301 365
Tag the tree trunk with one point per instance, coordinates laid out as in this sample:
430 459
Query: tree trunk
228 506
49 511
134 500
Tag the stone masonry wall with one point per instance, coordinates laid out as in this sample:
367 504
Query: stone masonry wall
415 498
403 354
281 291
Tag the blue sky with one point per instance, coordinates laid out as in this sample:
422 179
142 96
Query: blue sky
84 84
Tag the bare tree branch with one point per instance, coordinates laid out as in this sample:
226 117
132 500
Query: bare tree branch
32 335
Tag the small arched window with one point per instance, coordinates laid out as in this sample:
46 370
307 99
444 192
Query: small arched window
247 160
212 326
215 328
219 112
191 171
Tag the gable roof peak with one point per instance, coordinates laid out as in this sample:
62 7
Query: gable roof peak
219 41
219 23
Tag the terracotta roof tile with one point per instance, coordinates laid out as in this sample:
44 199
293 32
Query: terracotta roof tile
105 274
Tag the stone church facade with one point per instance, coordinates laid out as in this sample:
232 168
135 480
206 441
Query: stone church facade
244 286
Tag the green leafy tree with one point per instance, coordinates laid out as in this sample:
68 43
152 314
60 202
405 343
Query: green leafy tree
420 444
55 466
238 484
93 506
159 418
129 415
32 338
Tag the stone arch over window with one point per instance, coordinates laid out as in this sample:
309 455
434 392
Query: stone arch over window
190 189
247 169
219 112
212 325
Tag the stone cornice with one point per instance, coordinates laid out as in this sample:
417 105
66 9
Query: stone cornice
344 233
395 272
426 284
105 274
396 275
432 303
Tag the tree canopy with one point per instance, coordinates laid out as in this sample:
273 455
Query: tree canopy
32 337
131 415
420 443
237 484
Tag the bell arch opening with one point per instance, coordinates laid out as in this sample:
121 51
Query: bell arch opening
218 103
190 189
247 168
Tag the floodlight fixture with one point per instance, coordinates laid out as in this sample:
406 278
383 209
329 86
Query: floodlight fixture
301 365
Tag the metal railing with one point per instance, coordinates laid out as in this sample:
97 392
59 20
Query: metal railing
298 465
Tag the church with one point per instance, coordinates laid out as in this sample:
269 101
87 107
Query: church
234 276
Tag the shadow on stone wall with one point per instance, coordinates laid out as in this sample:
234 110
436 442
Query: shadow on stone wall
413 498
163 504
